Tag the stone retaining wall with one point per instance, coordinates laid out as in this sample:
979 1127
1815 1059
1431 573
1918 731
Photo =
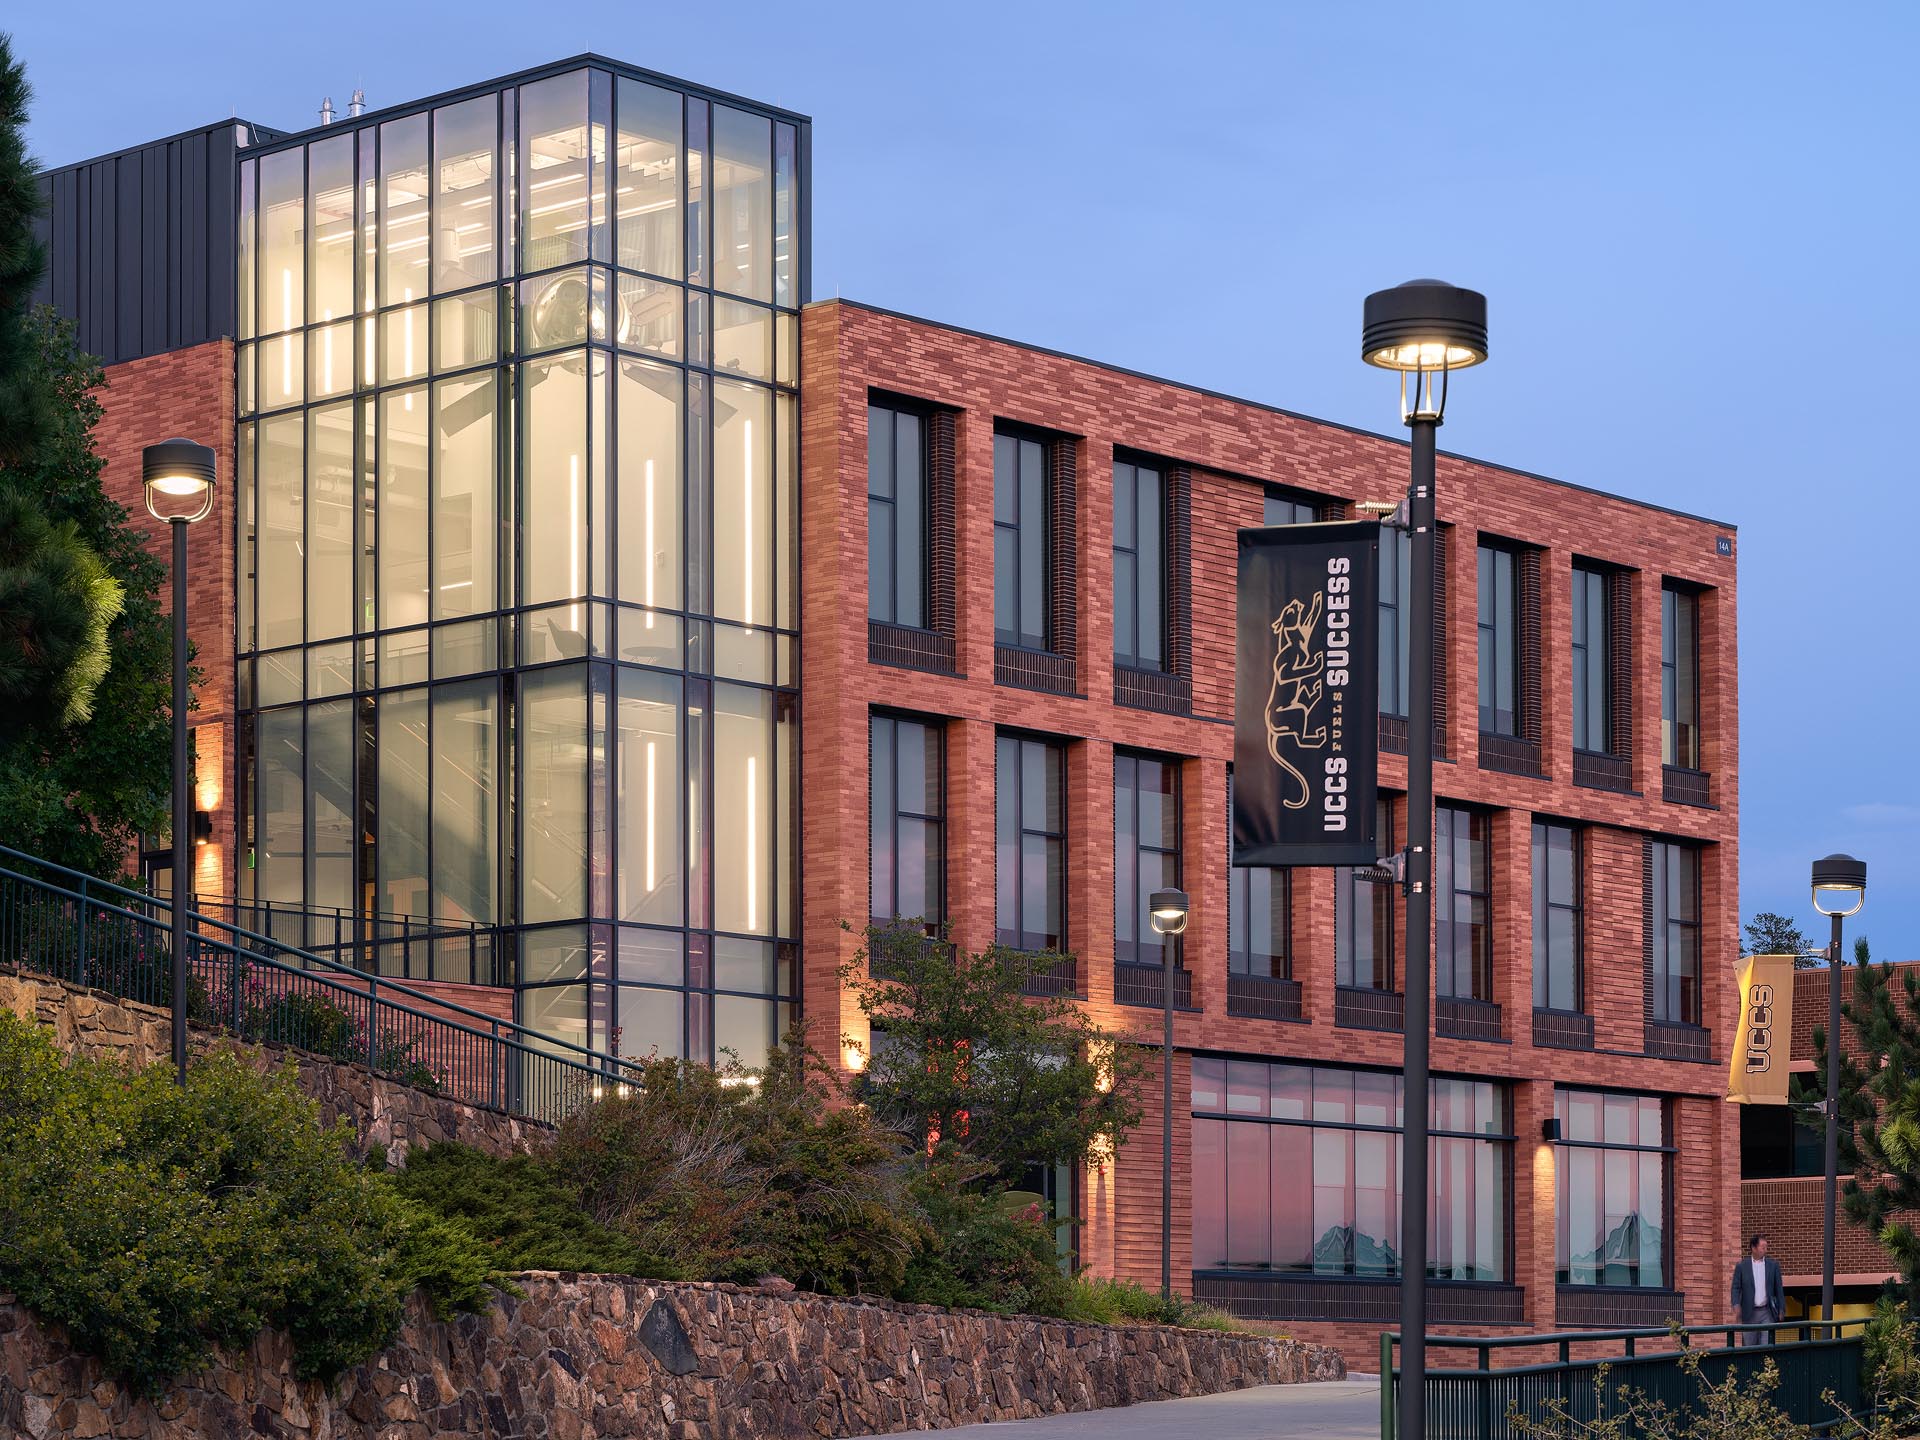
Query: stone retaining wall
96 1023
585 1357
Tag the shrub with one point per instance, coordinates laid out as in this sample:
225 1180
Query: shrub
1105 1301
155 1222
522 1212
987 1251
309 1020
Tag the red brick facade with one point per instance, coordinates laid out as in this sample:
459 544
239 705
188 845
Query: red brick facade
189 393
1231 448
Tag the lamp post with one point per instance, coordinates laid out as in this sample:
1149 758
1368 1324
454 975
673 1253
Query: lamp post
179 476
1425 329
1839 890
1168 909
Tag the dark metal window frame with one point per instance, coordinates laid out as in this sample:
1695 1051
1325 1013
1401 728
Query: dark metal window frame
1347 887
894 407
1544 904
1017 640
1479 831
1396 647
1163 623
1128 952
1674 597
1240 900
1592 584
1665 1149
1667 928
937 822
1489 627
1018 937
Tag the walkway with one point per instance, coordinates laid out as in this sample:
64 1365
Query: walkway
1330 1410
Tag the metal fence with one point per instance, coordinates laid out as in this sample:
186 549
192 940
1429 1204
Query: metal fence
70 926
405 947
1814 1361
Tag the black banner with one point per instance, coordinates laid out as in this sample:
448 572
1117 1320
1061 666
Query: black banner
1307 708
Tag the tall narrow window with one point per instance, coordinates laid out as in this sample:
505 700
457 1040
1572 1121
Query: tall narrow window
1030 843
1146 852
1680 678
1022 542
1363 918
1259 915
1139 567
896 517
1462 938
1499 644
1556 916
1285 510
1591 661
1396 654
1610 1189
907 866
1676 933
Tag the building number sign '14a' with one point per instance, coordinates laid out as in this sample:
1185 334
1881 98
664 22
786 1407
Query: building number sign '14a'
1306 709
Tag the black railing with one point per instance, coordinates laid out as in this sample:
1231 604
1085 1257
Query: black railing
72 927
1814 1361
405 947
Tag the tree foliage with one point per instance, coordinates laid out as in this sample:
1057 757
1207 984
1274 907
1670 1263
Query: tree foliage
971 1057
25 406
1772 934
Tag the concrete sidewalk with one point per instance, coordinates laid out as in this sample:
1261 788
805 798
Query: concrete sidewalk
1327 1410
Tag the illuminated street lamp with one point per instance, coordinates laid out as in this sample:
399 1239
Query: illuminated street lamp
1425 329
1168 911
1839 890
179 478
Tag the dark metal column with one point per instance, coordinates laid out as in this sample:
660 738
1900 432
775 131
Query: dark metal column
182 810
1415 983
1833 1125
1167 942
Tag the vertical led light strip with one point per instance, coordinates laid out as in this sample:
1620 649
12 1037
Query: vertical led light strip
753 849
746 528
651 560
652 805
573 537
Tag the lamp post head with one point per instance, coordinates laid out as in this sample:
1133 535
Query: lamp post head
1168 909
1839 885
1422 329
181 471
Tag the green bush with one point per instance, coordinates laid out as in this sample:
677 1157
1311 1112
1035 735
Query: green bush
986 1251
309 1020
522 1212
1104 1301
155 1222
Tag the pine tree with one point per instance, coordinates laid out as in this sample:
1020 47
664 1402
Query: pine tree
25 407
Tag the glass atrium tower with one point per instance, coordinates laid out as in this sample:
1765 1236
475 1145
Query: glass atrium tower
517 594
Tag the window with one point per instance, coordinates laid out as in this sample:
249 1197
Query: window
1499 636
1556 916
1146 851
1259 915
1296 1171
1610 1190
1280 510
907 868
1030 843
1676 933
1396 616
1022 542
1680 678
1363 918
1462 938
1590 661
896 517
1139 567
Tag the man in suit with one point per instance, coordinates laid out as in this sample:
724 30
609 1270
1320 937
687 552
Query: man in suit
1756 1291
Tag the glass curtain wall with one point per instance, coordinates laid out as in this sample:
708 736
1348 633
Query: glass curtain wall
517 597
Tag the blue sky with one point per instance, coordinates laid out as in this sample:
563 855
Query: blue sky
1695 225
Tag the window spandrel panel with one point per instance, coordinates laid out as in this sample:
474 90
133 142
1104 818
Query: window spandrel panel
742 203
404 223
329 496
465 143
649 400
646 178
465 520
743 493
330 229
403 515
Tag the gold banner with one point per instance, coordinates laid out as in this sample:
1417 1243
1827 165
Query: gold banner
1763 1040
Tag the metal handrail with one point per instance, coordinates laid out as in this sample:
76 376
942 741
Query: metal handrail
246 941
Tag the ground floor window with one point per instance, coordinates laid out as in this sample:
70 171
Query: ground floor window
1296 1170
1610 1189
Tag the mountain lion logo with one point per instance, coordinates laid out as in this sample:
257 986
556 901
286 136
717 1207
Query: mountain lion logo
1297 667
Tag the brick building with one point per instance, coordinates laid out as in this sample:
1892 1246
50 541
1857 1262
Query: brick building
527 702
